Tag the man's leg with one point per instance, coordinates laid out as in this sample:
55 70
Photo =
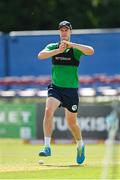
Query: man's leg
75 129
51 106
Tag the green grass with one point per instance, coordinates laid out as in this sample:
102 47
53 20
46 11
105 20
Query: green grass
20 161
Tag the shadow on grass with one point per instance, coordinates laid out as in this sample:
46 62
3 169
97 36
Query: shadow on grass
60 165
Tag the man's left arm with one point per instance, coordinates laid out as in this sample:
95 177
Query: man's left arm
85 49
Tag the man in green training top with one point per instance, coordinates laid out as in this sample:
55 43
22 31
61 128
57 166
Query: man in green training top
63 90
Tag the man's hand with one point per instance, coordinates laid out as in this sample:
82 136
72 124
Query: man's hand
68 44
62 47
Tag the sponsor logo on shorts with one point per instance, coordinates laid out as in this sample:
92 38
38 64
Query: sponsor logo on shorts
50 88
74 107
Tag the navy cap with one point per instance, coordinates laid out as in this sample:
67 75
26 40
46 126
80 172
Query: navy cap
65 24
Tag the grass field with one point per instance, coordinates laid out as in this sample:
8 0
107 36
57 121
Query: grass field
20 161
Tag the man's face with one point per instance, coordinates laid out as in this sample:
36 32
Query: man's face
65 33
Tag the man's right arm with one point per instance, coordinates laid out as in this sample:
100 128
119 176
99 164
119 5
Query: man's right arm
46 53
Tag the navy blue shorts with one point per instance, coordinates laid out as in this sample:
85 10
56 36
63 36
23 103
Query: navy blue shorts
68 97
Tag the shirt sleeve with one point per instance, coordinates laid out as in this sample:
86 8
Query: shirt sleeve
50 47
77 53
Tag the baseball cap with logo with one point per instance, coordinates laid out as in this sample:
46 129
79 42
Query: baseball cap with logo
65 24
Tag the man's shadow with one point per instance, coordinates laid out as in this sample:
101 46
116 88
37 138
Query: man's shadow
66 166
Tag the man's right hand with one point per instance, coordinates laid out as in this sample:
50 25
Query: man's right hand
62 47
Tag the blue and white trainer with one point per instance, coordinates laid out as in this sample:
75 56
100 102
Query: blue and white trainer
80 155
45 152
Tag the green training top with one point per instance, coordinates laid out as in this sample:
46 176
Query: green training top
65 66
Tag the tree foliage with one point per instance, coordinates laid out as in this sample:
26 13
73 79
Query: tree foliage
45 15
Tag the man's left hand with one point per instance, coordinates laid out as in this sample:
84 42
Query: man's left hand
68 44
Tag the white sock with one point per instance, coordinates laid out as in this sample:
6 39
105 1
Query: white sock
79 143
47 141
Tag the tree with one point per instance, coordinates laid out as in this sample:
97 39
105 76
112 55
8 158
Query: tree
41 15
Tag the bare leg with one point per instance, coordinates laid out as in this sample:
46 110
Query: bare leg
75 129
51 106
73 124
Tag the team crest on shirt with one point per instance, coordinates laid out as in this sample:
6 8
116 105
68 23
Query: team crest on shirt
74 107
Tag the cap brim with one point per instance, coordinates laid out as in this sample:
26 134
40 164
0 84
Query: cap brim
64 26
